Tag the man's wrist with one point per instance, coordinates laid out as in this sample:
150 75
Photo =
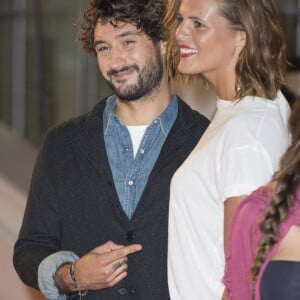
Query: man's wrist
63 280
76 286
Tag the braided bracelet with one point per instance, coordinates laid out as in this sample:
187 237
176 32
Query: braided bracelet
73 277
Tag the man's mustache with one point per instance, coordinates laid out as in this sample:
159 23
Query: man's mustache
113 72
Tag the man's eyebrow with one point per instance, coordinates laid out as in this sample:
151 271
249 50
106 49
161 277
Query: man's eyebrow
129 32
121 35
98 42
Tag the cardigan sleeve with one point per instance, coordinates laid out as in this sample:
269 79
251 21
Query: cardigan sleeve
39 234
46 271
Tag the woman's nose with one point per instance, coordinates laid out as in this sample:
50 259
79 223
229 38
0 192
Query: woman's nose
181 32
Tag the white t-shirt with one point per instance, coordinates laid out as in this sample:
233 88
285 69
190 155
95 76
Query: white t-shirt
136 134
239 152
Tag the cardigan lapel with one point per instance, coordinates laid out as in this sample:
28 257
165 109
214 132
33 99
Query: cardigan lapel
92 141
178 139
179 143
92 144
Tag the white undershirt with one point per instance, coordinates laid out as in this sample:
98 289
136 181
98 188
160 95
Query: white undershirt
136 134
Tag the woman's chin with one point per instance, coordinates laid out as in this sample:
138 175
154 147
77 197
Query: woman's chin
187 69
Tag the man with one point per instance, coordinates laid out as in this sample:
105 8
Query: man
95 224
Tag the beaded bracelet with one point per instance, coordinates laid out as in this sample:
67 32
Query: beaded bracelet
76 286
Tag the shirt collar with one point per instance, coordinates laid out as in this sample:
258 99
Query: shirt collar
166 119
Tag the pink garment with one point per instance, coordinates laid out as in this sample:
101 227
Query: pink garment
243 239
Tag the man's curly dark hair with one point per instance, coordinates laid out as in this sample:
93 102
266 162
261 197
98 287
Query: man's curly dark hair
146 15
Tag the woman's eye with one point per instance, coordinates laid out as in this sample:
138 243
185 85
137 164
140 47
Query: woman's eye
179 18
198 24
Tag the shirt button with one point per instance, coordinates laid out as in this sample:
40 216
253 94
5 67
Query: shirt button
130 182
155 121
142 151
130 236
122 291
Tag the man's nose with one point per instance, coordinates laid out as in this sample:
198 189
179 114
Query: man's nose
117 58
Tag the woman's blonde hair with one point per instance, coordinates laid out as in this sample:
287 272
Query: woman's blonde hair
261 67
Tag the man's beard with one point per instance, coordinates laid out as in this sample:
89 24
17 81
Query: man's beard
149 79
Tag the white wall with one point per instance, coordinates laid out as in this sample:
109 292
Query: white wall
16 162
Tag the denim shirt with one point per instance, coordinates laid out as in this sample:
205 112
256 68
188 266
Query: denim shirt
130 175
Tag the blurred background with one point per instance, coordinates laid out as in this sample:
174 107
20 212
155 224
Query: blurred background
45 78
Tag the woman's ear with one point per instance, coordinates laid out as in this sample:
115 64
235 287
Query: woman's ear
241 39
163 47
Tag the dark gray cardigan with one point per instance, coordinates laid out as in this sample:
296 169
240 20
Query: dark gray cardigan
73 204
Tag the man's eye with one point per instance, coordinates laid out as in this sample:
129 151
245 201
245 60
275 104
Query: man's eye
127 43
101 49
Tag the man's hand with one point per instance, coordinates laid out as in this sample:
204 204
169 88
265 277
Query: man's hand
103 267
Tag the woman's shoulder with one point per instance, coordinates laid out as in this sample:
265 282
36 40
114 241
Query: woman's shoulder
250 208
294 214
258 124
261 195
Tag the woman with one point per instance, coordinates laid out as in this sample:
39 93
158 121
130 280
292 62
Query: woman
238 48
276 270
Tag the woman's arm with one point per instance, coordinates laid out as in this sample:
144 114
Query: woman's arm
230 205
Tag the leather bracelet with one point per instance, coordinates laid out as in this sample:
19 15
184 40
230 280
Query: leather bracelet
75 284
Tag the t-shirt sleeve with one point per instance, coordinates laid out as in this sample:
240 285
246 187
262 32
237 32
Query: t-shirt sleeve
244 169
